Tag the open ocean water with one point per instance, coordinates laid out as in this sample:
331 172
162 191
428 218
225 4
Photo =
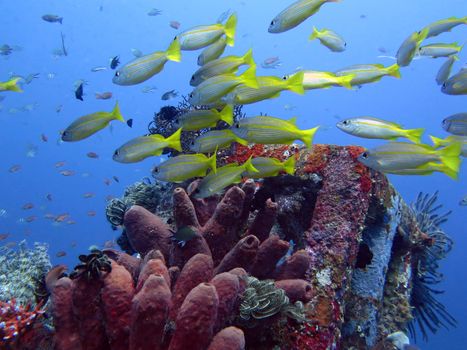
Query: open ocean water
94 31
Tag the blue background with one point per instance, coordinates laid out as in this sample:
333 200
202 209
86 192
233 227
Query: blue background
92 37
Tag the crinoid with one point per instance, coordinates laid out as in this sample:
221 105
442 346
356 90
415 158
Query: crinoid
429 313
92 265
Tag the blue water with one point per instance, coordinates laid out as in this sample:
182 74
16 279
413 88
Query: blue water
93 36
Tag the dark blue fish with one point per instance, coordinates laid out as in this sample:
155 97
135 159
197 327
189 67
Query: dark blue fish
79 92
183 235
115 62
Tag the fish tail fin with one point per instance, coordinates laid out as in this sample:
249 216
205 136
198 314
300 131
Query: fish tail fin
248 58
449 156
448 171
212 161
173 52
173 141
437 142
314 34
249 77
414 135
308 135
249 168
346 81
12 85
289 165
226 114
116 114
394 71
229 29
295 83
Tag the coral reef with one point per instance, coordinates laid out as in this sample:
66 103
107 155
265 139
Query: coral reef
330 257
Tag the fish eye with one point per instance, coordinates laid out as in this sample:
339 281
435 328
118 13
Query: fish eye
237 125
117 152
192 77
156 169
190 95
346 122
364 155
284 77
273 22
117 73
192 143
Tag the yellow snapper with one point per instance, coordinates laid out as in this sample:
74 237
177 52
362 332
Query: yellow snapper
215 139
438 142
444 25
445 69
213 51
426 169
456 124
457 84
397 156
313 79
184 167
410 46
223 65
225 176
268 87
330 39
439 50
212 89
272 130
144 67
268 167
202 36
10 85
374 128
295 14
368 73
89 124
143 147
205 118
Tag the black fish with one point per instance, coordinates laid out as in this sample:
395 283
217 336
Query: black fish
129 122
115 62
63 45
79 92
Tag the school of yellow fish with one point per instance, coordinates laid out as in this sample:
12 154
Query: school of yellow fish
217 84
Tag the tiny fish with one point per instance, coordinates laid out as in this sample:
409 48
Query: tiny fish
183 235
28 206
107 182
98 69
61 217
58 109
114 62
137 52
49 216
60 164
91 213
213 51
93 155
79 92
271 62
60 254
116 179
103 96
88 125
44 138
409 47
463 201
295 14
11 85
49 197
174 24
154 12
201 36
143 147
169 95
445 69
52 18
330 39
31 218
456 124
4 236
456 84
148 89
439 50
67 172
215 139
15 168
109 197
184 167
198 119
89 194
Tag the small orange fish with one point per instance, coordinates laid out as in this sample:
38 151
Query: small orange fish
60 254
60 164
174 24
44 138
15 168
49 197
28 206
62 217
107 182
89 194
104 96
4 236
92 155
91 213
31 218
67 172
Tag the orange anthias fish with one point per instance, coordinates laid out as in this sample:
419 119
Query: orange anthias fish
104 96
15 168
89 194
4 236
91 213
28 206
174 24
62 217
67 172
60 164
31 218
93 155
60 254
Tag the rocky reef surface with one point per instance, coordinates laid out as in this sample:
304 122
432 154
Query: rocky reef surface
330 258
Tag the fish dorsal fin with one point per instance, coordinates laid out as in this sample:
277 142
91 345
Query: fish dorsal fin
293 120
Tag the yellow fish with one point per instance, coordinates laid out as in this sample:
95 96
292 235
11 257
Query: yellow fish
11 85
198 119
438 142
268 167
184 167
313 79
89 124
409 47
143 147
215 139
213 51
330 39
